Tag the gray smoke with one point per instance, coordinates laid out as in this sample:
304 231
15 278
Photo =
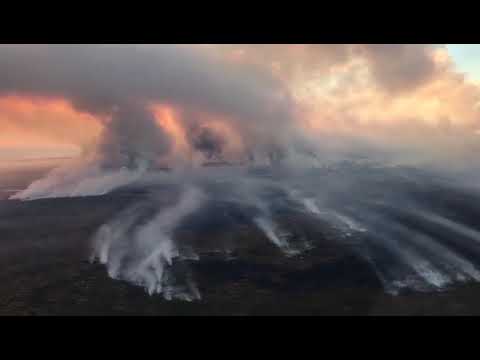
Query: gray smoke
119 83
400 67
99 79
132 139
143 252
208 142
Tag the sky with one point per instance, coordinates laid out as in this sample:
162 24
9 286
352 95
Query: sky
178 102
467 58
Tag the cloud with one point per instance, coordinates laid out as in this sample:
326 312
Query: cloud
400 67
270 96
100 79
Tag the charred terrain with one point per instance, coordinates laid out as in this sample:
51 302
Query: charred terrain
380 257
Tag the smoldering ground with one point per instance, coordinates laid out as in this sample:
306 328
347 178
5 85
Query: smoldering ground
350 234
387 216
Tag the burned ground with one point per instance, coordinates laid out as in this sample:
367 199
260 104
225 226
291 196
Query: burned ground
46 244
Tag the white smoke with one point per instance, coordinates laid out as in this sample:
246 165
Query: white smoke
79 179
139 245
143 254
130 143
270 229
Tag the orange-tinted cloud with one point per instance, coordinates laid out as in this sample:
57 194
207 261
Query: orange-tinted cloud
44 125
177 123
392 93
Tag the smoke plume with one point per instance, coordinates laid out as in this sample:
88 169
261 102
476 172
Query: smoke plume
318 135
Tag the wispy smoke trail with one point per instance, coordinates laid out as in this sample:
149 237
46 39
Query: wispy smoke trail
271 231
143 253
79 179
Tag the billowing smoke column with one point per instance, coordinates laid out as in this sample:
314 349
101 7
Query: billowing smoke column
208 142
120 86
132 139
131 144
120 82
